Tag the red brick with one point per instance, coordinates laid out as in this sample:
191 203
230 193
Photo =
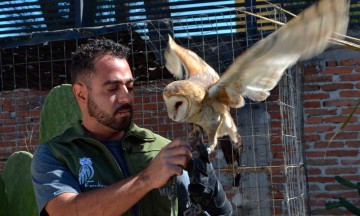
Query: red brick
317 162
277 148
350 77
312 104
322 211
310 71
353 144
275 115
336 86
338 103
342 136
318 78
348 110
326 144
349 62
343 153
351 194
341 171
9 109
316 96
278 155
324 195
275 126
354 93
352 128
311 88
8 102
7 129
338 153
350 162
317 154
320 179
318 129
313 120
310 138
314 171
339 119
320 112
339 70
331 63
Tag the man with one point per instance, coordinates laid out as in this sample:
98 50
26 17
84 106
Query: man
106 165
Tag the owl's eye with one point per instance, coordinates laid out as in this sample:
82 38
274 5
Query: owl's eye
177 104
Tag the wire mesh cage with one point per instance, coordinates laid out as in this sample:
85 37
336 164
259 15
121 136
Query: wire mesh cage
269 179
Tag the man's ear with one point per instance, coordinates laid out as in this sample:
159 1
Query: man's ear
80 92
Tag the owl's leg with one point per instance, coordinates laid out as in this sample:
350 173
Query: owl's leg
212 137
237 145
196 135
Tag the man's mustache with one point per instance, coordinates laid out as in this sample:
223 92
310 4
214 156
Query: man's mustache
124 107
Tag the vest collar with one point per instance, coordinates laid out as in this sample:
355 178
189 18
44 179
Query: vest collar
77 131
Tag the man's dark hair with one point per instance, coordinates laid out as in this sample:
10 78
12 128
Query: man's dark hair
82 64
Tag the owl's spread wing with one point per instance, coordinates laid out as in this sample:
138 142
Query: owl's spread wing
183 63
258 70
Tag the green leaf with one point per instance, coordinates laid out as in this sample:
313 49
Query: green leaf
4 205
349 206
345 182
332 205
18 184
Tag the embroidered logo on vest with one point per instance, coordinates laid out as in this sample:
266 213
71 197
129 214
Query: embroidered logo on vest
86 173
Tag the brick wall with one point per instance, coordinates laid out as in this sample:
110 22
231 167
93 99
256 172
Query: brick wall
331 90
19 121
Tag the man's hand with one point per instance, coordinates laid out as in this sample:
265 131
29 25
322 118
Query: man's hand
170 161
204 188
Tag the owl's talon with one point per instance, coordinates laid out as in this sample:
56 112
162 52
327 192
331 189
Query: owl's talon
209 150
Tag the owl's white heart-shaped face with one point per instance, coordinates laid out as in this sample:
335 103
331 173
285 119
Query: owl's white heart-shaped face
178 107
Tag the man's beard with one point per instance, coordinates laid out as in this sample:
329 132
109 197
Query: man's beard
108 120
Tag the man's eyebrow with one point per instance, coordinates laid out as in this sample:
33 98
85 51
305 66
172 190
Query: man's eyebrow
109 82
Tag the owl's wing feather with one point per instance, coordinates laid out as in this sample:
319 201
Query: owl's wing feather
183 63
258 70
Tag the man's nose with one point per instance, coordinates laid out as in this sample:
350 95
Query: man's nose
124 89
123 94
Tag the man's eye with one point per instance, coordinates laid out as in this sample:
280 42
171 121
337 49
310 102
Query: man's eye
112 89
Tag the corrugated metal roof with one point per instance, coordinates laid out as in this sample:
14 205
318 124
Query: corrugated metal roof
77 18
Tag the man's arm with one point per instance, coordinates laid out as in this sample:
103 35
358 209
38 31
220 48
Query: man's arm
115 199
118 198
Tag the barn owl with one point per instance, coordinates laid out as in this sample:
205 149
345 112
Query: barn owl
203 98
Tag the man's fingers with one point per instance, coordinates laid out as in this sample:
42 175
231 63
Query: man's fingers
177 143
178 160
178 170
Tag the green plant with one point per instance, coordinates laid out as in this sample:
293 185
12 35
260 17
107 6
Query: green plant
342 201
4 205
18 185
59 112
